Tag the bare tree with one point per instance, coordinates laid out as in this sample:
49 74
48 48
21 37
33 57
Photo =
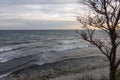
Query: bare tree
105 17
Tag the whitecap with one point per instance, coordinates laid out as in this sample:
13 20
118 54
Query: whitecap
68 47
5 49
70 41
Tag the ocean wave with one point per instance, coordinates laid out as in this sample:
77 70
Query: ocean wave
68 47
16 43
10 48
20 46
48 57
21 50
70 41
12 54
2 49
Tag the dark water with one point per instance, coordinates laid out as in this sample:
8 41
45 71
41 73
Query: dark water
11 37
21 43
20 49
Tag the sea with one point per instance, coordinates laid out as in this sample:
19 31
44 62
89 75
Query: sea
21 43
20 49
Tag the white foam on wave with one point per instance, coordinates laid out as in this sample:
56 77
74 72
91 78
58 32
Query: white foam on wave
18 46
4 57
68 47
11 47
7 52
46 58
4 75
25 51
5 49
49 57
30 49
70 41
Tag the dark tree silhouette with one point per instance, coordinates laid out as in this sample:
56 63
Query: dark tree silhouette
106 17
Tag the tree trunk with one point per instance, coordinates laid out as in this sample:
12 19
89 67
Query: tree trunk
112 75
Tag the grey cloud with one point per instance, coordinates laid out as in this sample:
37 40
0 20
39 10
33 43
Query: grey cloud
19 2
16 13
39 25
61 11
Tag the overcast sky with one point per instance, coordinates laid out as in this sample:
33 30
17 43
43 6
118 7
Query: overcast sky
40 14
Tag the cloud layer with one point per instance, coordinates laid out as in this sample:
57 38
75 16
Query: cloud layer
21 2
36 14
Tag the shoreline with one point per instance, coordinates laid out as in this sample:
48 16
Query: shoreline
60 68
58 64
